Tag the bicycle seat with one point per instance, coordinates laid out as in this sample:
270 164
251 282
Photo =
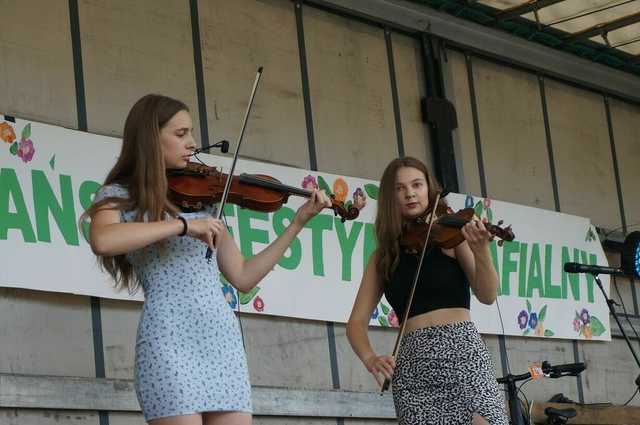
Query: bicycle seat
560 413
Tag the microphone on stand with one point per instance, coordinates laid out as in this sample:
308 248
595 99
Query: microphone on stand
222 144
630 267
593 269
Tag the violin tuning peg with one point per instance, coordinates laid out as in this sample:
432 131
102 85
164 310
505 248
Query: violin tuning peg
500 242
500 222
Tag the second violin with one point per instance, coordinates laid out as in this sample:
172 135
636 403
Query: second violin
446 231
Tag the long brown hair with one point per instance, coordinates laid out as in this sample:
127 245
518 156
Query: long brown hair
389 220
141 169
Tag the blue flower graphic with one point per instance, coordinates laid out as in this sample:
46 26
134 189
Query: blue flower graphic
375 313
585 316
523 318
230 296
533 320
468 202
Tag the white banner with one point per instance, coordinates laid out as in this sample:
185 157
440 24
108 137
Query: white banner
49 175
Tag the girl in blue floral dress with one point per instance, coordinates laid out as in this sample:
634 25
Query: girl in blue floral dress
190 366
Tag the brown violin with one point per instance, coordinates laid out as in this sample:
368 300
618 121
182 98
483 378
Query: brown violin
198 185
446 232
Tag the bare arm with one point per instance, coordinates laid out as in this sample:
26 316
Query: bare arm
369 294
475 259
244 274
110 237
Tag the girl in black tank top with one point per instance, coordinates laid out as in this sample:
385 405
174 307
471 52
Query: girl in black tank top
442 283
443 373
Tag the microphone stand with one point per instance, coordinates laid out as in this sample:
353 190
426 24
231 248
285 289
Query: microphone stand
611 303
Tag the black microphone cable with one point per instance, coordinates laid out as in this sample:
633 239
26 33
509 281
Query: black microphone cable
234 290
237 291
626 315
508 364
635 393
624 308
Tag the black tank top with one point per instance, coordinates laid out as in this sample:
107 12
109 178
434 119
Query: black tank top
442 283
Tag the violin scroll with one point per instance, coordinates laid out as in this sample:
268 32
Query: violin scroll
505 234
345 214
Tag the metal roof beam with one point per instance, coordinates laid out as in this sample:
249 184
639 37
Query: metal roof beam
523 8
604 27
411 17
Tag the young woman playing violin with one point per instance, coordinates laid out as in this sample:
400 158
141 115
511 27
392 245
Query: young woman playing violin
443 373
190 365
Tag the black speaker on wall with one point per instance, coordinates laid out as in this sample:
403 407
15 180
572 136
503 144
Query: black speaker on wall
439 112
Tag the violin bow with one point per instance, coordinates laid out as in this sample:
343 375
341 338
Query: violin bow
396 347
227 185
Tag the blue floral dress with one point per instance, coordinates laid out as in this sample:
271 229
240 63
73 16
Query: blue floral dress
189 352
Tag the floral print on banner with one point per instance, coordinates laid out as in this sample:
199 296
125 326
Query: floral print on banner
587 325
530 321
339 191
482 208
24 148
385 315
233 296
229 293
7 134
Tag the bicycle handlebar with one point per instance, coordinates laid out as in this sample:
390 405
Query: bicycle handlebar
568 369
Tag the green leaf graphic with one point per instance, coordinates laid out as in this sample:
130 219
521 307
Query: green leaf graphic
14 148
548 332
597 328
383 321
52 162
489 215
525 333
322 184
543 313
385 309
26 131
246 297
223 279
479 208
372 190
528 305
